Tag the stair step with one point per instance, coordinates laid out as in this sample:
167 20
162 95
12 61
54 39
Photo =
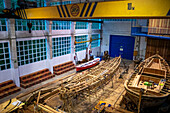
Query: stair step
9 92
7 87
26 85
35 77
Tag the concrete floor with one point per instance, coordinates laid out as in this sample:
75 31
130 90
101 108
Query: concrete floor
109 94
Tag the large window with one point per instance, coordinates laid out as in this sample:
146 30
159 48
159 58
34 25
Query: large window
21 25
30 51
61 25
119 19
95 40
4 56
61 46
2 5
2 20
59 3
81 25
40 3
3 24
96 25
81 46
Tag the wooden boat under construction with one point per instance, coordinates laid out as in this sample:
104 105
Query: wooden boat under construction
69 88
149 85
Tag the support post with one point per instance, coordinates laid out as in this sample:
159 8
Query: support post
72 41
13 48
13 51
140 99
89 37
101 35
48 36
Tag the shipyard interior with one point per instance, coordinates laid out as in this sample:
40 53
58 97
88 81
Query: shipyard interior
84 56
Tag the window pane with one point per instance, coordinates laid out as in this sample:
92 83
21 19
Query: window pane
81 46
59 44
95 40
4 56
61 25
31 52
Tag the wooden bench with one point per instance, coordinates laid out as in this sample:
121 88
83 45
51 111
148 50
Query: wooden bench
63 68
35 78
8 88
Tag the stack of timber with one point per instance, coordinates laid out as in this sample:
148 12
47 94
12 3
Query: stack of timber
63 68
159 27
8 88
150 82
35 78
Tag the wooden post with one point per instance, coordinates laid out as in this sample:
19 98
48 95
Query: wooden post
140 99
38 96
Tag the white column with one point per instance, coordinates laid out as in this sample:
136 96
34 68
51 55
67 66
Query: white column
89 36
101 38
49 46
72 41
13 51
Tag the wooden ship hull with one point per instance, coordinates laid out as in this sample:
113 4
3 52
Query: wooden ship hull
147 101
68 88
158 91
90 79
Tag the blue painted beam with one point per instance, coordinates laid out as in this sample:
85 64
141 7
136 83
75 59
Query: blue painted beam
151 36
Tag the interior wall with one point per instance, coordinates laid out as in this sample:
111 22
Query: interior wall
5 75
159 27
114 28
142 50
36 66
96 51
158 45
32 67
60 59
140 47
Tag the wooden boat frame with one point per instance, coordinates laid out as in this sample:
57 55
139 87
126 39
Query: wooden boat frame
149 99
72 85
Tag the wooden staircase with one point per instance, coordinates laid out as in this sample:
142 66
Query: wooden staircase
63 68
35 78
7 88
